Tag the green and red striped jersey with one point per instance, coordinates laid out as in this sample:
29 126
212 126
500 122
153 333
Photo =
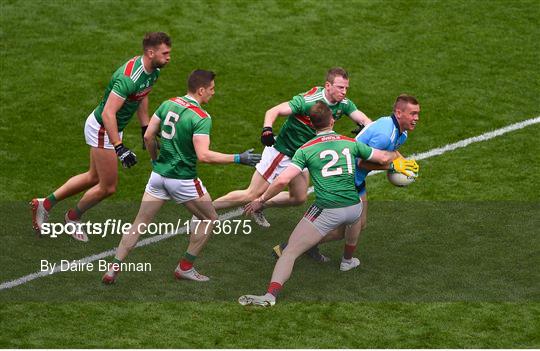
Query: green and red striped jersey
181 118
330 159
132 83
297 129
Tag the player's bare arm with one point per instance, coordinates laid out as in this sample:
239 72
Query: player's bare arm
372 166
360 118
142 116
272 114
142 112
267 135
150 136
383 157
114 103
201 143
275 188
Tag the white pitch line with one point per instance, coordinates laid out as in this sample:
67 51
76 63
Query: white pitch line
238 212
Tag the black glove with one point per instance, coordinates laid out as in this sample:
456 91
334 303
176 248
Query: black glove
267 136
125 155
248 158
358 129
143 130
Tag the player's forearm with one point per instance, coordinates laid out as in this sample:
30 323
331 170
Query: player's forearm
371 166
215 157
275 188
109 122
360 118
269 118
142 113
151 146
383 157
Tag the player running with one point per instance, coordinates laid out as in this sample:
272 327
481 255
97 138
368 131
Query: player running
185 138
329 158
386 133
126 94
296 130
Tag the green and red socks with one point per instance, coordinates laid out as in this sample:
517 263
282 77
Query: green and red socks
75 214
274 288
348 251
186 263
49 202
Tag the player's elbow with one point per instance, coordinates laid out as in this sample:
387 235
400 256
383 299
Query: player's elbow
204 157
148 138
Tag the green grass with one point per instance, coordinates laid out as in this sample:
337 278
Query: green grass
448 262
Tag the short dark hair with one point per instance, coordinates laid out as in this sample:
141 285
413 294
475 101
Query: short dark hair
336 72
153 39
404 99
320 115
199 78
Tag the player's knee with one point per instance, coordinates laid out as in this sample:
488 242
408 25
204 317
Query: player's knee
363 225
297 200
93 178
208 217
107 190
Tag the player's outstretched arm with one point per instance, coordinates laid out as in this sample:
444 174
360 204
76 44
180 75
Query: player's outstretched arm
149 137
201 143
277 186
383 157
372 166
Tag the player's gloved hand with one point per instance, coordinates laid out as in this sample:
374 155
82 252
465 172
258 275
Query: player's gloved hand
404 166
267 136
125 155
143 130
247 158
358 129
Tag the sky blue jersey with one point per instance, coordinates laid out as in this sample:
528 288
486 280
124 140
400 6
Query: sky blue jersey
383 134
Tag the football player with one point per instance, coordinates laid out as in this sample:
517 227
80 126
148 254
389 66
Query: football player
329 157
184 127
296 130
126 94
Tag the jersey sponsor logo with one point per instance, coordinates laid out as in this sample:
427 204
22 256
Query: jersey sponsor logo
199 111
338 114
129 66
325 138
140 95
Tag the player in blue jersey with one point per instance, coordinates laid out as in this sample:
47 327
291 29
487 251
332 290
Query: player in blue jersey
387 133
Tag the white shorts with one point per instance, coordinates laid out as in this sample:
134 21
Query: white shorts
328 219
95 133
180 190
272 163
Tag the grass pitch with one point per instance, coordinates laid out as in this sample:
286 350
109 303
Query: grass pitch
448 262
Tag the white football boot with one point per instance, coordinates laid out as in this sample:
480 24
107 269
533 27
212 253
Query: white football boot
347 265
260 219
39 214
79 234
110 276
191 274
267 300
